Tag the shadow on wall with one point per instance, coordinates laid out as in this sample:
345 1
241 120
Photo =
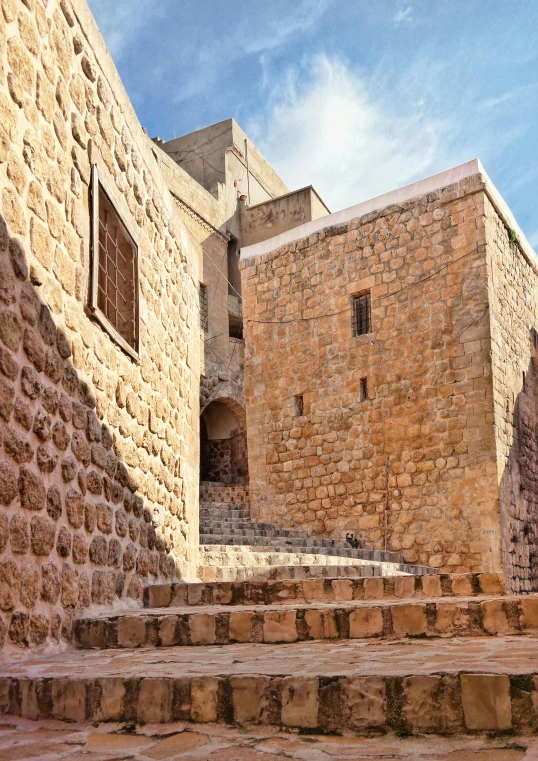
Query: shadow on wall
518 489
73 529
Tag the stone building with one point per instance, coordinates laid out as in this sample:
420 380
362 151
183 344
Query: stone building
120 321
391 377
236 199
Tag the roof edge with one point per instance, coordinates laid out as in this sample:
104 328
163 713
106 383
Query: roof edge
394 197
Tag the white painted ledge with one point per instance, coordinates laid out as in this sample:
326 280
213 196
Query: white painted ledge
419 188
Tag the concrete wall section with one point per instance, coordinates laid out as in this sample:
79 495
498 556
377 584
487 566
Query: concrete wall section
414 464
273 217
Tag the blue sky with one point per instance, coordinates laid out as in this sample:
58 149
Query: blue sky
357 97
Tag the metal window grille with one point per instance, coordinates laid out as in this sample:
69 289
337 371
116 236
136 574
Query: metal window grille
203 307
114 294
361 313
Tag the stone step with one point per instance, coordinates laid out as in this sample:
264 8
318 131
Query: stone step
262 556
237 573
247 528
410 588
210 543
218 625
444 686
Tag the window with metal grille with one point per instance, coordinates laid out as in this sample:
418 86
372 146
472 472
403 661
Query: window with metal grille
361 314
203 306
115 270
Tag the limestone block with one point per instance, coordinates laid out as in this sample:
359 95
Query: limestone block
31 489
202 628
321 624
300 702
69 699
365 622
279 626
409 620
110 707
486 702
132 631
249 698
240 627
204 699
494 619
364 701
43 534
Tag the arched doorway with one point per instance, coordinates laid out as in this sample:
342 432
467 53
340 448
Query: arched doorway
223 443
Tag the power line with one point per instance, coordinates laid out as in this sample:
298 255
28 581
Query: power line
379 298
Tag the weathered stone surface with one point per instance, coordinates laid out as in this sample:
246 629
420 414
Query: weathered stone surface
8 483
63 542
105 517
80 549
69 586
50 588
69 468
7 396
60 436
23 414
19 534
17 446
30 383
47 459
80 448
54 502
98 550
29 585
31 489
129 557
43 534
90 516
9 584
74 508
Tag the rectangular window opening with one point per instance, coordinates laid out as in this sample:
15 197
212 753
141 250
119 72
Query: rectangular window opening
363 389
361 316
114 295
203 307
299 405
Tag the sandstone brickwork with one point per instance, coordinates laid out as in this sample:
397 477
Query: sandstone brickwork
415 465
98 458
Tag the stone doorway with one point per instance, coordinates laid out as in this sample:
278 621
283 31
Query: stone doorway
223 443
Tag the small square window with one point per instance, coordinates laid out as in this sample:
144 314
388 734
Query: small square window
299 405
361 317
203 307
114 295
363 389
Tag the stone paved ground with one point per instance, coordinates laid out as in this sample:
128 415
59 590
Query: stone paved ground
22 740
493 655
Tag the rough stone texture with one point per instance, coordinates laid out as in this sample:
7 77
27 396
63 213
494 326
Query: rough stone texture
67 444
415 464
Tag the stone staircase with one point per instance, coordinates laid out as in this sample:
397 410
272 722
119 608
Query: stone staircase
413 654
234 548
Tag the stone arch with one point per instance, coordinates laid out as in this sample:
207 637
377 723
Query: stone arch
223 442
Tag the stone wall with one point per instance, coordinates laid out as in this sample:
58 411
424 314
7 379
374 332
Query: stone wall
514 321
99 452
413 466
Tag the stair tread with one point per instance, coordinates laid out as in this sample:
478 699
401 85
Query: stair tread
216 609
397 658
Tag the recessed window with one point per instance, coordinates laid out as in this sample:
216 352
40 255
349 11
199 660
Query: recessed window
363 389
361 316
114 296
203 307
299 405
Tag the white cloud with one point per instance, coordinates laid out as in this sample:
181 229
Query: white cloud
403 14
352 139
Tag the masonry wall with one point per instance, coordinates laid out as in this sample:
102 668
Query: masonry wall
99 452
414 465
514 322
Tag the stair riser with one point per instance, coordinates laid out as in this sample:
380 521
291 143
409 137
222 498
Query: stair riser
323 590
233 574
415 704
437 619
